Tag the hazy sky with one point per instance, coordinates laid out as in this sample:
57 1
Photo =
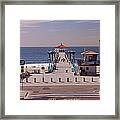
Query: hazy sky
38 33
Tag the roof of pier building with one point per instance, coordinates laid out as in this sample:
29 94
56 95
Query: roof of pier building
89 52
61 46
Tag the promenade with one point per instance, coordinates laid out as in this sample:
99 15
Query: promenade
58 91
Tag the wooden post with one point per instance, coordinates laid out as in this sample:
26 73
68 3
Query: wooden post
92 79
83 79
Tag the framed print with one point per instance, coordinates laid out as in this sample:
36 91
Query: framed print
59 59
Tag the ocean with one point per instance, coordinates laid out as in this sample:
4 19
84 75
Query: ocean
40 54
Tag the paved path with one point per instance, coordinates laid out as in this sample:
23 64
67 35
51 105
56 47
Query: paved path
61 92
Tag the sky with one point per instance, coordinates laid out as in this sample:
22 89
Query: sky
50 33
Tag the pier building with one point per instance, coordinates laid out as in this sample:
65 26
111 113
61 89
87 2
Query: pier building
90 65
89 56
54 55
37 68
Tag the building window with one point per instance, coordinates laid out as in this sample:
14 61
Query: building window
59 79
87 68
67 79
66 71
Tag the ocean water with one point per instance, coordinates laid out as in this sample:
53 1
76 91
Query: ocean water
40 54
